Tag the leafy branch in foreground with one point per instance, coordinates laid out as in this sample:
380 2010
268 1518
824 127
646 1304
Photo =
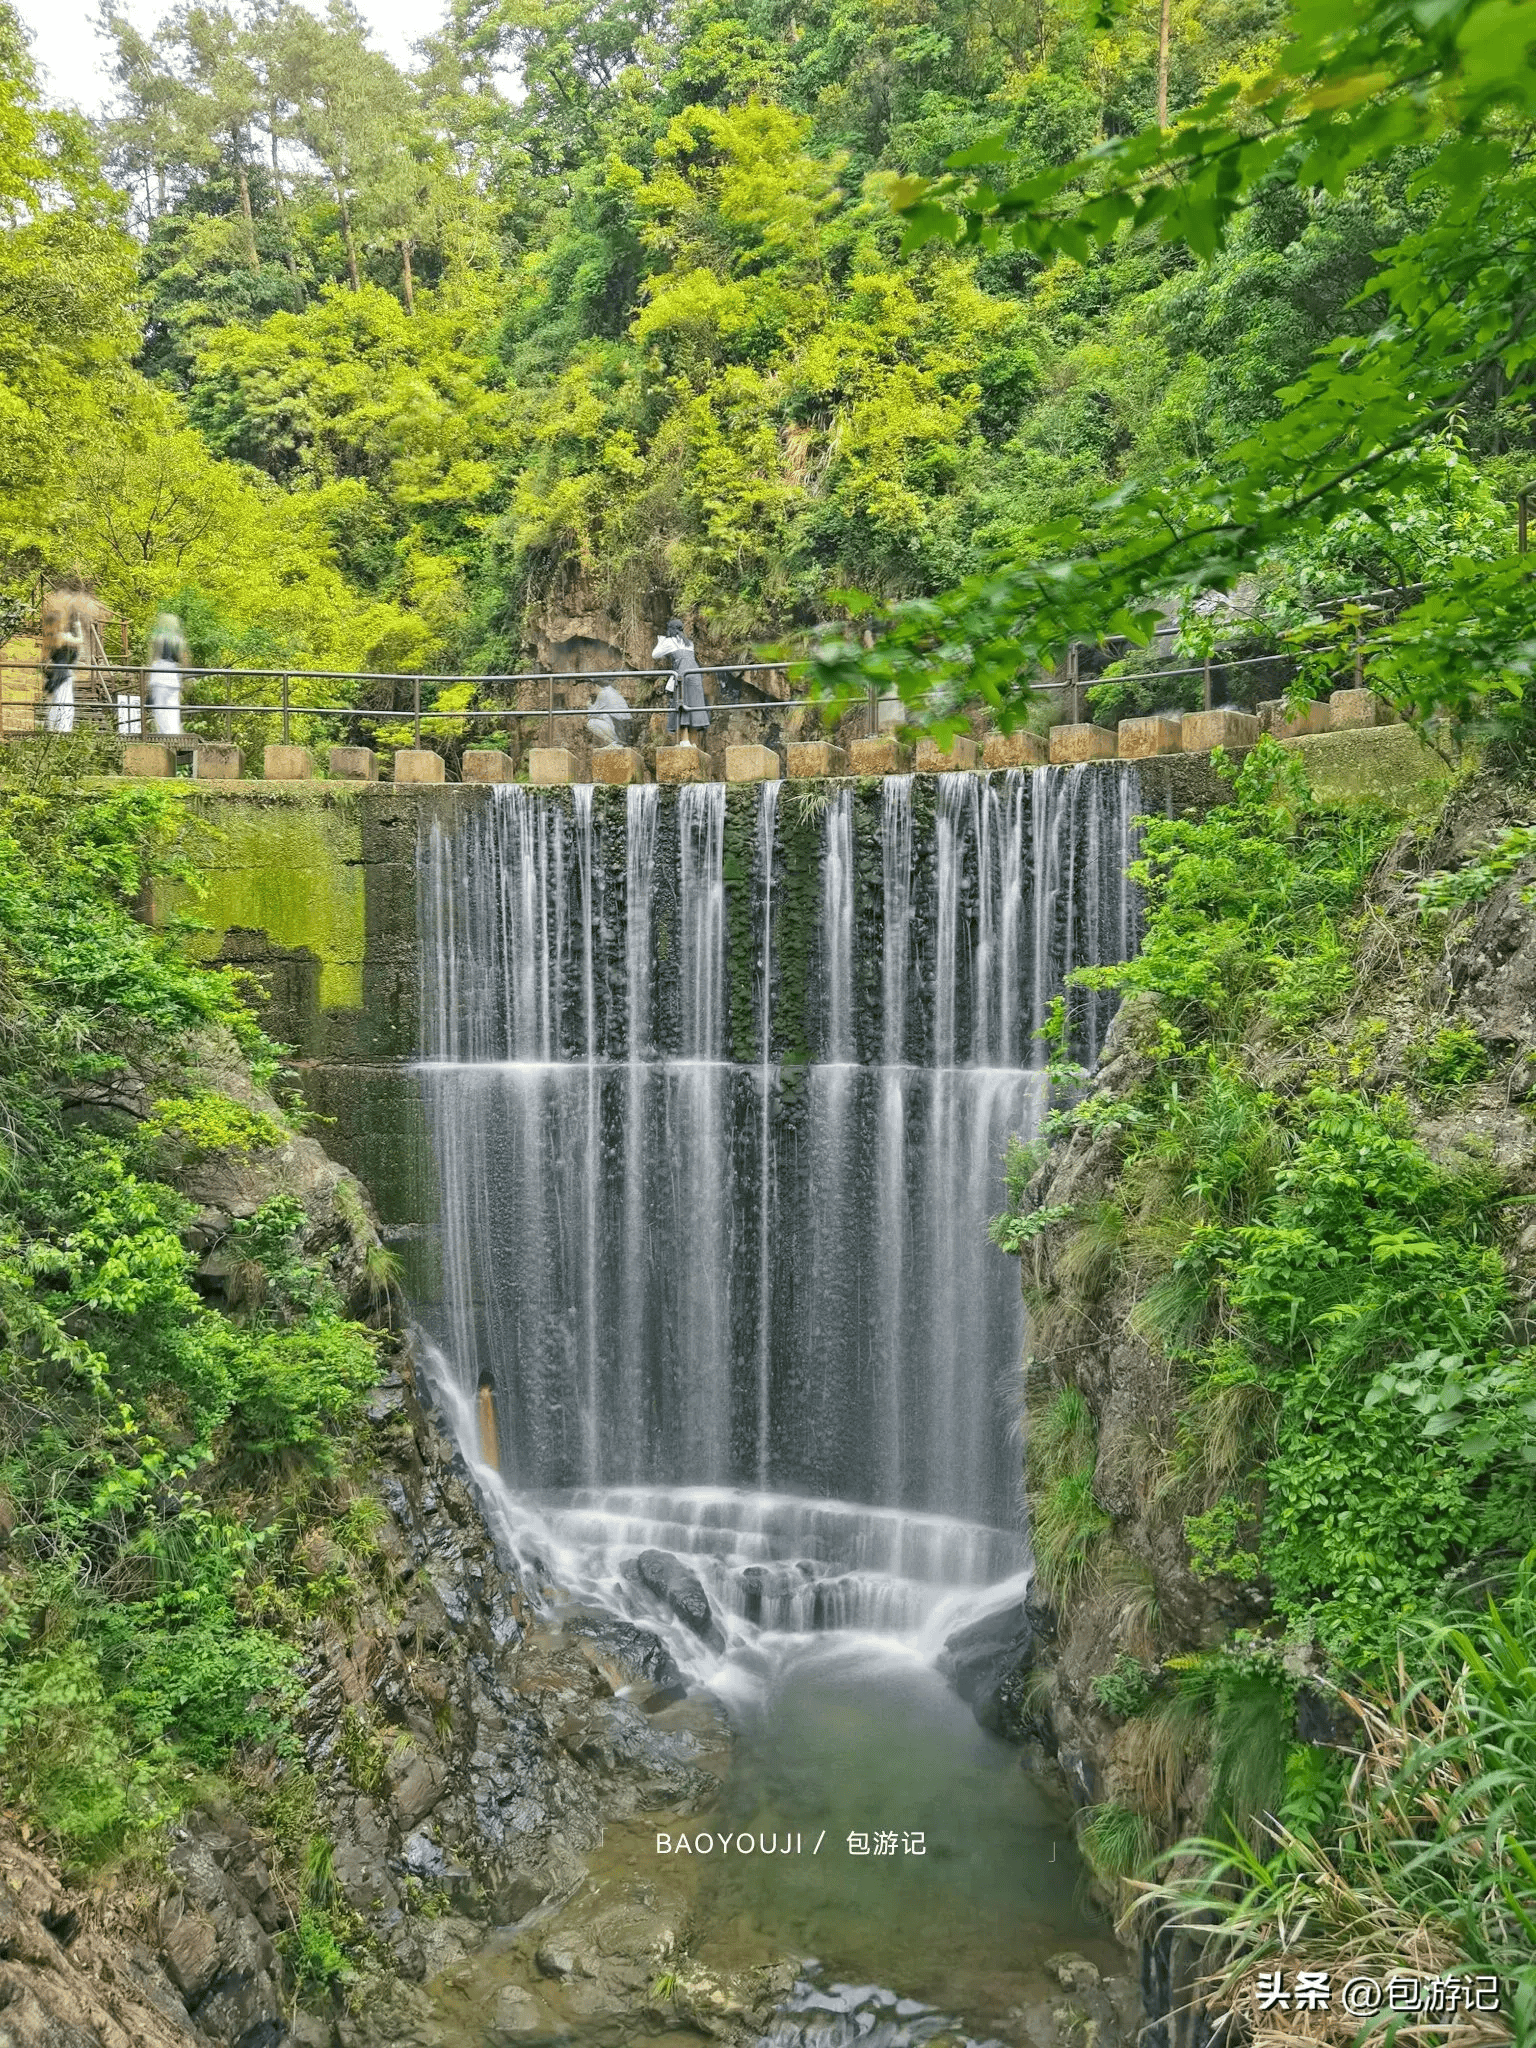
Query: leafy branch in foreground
1357 430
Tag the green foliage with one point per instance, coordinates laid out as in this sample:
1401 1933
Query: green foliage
1125 1689
316 1955
207 1122
1452 1058
1067 1523
1216 1539
1010 1233
1022 1160
1475 881
1117 1841
1366 93
135 1420
1243 902
1290 1250
362 1752
1433 1827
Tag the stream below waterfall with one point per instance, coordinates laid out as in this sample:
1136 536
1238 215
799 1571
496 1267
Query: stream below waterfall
719 1085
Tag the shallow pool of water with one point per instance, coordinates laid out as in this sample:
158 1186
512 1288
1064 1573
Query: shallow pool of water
971 1878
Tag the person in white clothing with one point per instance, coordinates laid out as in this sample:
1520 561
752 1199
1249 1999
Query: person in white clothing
59 678
167 657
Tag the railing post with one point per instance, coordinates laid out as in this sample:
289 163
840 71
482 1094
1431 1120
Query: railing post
1359 656
551 740
416 711
1077 688
874 714
285 711
1208 683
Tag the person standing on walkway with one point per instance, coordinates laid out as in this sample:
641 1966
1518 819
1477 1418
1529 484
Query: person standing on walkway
687 712
167 658
67 642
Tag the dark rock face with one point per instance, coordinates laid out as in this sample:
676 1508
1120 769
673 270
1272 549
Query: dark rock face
216 1932
676 1587
462 1742
989 1663
634 1652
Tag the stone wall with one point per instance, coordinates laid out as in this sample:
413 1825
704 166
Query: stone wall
312 887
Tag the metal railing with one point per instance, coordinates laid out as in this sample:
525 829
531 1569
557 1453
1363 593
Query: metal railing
122 704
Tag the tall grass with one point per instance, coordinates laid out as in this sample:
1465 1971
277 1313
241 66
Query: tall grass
1428 1863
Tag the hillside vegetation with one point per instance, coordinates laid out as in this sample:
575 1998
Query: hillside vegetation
372 370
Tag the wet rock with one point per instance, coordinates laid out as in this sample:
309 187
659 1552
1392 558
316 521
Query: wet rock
987 1663
517 2012
189 1949
1072 1971
676 1587
635 1651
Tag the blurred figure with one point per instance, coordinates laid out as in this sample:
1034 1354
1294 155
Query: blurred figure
65 640
167 658
610 721
686 709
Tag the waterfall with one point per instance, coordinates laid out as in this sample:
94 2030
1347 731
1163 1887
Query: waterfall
718 1084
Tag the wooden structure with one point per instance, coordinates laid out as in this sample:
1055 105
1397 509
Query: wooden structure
57 610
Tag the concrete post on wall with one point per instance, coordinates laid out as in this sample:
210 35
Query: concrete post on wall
1348 708
1073 743
419 764
548 767
1140 738
617 766
354 764
1015 750
287 764
813 759
487 764
144 757
682 764
934 758
752 764
879 757
1204 730
216 762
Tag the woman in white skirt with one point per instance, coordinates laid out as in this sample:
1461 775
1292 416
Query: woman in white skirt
59 679
686 709
167 657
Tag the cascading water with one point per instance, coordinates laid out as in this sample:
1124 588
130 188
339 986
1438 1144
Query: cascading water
719 1085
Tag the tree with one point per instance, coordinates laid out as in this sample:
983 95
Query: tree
1353 88
349 104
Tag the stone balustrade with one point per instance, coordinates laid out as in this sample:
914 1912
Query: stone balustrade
1068 744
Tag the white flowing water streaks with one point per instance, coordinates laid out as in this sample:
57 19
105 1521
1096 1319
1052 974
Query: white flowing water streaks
891 1218
733 1245
637 1224
767 824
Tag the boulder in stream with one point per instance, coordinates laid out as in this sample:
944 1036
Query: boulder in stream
987 1662
672 1583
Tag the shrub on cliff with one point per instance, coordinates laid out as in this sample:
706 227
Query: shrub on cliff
151 1448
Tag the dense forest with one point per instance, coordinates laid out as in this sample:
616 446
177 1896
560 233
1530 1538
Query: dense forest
369 370
983 330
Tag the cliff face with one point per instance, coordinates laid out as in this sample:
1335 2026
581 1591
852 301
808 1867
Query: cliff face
453 1757
1437 1029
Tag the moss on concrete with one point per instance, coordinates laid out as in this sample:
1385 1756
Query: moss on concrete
1388 761
286 861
